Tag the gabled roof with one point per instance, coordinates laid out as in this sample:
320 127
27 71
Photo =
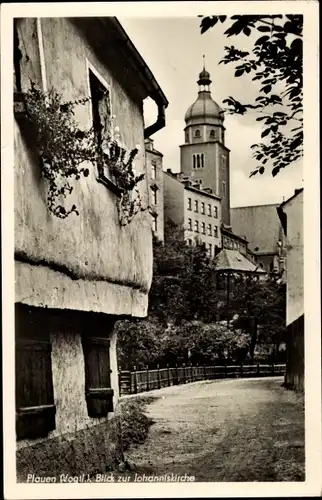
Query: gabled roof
233 260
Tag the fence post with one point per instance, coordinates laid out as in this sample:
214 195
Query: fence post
225 369
258 370
204 372
184 373
159 379
147 378
135 381
273 372
197 371
177 375
241 370
168 376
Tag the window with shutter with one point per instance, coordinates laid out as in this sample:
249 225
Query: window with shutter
35 409
98 391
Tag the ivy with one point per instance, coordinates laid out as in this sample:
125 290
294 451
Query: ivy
65 150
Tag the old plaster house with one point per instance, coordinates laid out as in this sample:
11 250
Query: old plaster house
155 178
76 275
291 215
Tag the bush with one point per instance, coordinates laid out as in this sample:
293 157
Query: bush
134 423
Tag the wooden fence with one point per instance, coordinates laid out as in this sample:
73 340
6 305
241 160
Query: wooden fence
133 382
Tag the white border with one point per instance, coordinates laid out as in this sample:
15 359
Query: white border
312 485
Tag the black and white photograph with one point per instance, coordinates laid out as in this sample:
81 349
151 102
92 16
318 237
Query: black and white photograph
160 201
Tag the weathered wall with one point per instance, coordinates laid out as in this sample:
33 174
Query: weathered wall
113 260
294 376
295 258
173 200
69 387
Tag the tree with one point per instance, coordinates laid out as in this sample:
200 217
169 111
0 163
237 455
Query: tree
276 63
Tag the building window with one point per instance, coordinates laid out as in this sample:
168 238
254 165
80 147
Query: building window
202 160
98 391
223 160
209 230
154 196
189 203
190 224
198 161
189 242
202 207
224 189
35 408
194 161
196 206
101 115
187 136
212 134
203 228
216 231
209 209
215 212
196 226
210 249
154 223
153 170
197 133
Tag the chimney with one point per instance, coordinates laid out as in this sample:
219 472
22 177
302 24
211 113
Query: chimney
149 144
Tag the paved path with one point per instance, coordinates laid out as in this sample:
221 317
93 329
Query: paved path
228 430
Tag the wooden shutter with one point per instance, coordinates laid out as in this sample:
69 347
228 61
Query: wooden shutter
35 409
98 392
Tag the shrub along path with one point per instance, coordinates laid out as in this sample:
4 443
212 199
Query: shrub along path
225 430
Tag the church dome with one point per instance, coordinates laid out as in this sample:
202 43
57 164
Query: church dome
204 107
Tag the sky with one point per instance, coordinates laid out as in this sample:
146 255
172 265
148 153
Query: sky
173 48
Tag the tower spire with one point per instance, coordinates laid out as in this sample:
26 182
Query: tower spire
204 78
204 62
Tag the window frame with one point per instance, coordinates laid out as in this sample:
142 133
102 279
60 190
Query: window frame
209 210
196 206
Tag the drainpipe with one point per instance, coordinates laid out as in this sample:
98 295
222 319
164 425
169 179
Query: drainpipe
160 122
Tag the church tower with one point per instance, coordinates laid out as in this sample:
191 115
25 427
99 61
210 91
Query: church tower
204 156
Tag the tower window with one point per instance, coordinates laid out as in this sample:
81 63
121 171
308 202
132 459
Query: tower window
212 134
223 160
224 189
197 133
202 161
198 161
187 136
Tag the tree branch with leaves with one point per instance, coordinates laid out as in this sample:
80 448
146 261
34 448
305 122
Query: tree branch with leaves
276 63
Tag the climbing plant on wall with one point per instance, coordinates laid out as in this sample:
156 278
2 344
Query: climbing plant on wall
66 153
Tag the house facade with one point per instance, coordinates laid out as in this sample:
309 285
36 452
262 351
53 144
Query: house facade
75 276
261 227
291 215
155 178
194 209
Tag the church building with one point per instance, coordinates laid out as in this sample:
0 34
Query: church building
204 156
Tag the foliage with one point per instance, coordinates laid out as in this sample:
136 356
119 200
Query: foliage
134 424
64 148
276 63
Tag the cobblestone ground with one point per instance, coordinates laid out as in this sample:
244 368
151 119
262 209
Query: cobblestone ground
228 430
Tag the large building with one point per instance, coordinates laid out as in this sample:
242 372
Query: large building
261 227
204 155
76 275
194 209
291 216
155 180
